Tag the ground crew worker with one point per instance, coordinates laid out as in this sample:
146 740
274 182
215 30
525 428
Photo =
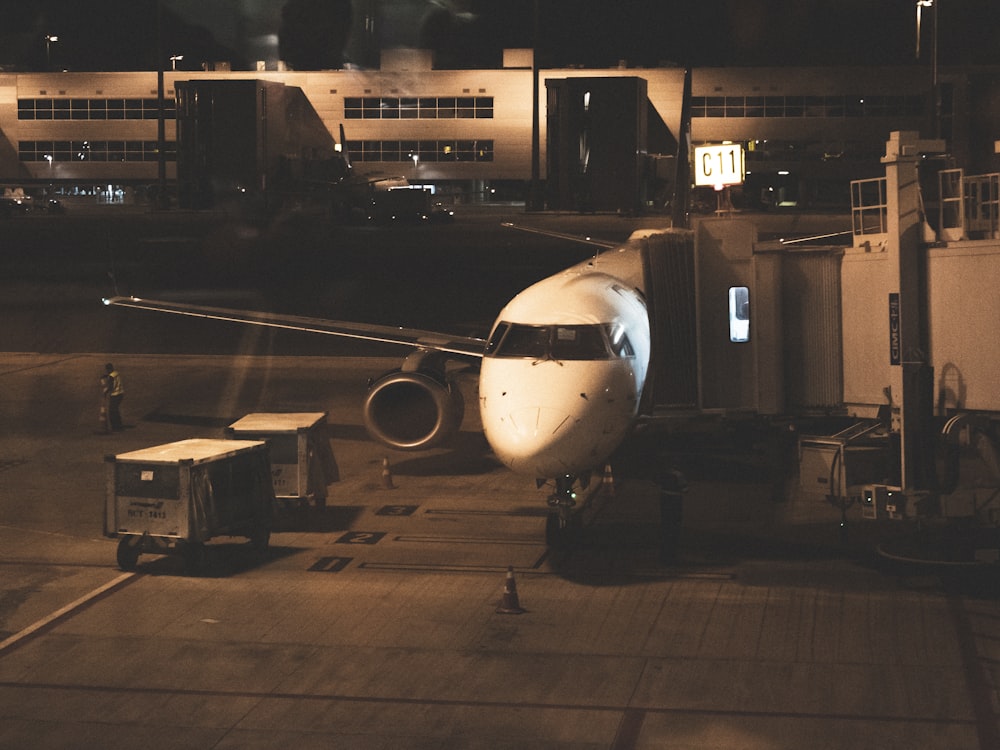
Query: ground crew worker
116 392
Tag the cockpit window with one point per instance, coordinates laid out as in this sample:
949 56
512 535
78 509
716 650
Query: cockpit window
525 341
620 344
579 342
559 342
496 337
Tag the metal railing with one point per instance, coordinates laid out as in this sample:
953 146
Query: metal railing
868 206
982 204
968 206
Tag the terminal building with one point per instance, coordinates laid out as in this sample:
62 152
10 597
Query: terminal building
608 139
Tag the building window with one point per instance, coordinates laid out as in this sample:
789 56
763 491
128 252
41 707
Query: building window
807 106
424 151
99 151
423 108
94 109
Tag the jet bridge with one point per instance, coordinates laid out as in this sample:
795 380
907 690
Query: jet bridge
741 328
893 338
920 349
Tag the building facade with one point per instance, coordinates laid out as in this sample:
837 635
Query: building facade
807 131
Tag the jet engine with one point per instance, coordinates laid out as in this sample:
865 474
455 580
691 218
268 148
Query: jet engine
414 407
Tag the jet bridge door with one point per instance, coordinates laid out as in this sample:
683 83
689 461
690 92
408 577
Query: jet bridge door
740 334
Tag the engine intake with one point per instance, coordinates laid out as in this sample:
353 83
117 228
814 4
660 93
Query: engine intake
413 410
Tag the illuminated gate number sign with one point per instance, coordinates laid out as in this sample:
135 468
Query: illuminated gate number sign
718 166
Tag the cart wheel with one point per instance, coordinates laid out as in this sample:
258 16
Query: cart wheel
194 558
128 554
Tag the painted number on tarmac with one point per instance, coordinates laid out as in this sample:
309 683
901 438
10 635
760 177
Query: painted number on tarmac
361 537
396 510
331 564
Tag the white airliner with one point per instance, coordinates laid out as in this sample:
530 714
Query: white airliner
561 374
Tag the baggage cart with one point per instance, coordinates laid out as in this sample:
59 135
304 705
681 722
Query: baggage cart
172 498
302 462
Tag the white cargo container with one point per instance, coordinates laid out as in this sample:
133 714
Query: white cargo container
175 497
302 462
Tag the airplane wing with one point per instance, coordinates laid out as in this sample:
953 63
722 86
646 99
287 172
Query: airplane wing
462 346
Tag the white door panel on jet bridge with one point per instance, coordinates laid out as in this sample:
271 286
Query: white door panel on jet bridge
963 291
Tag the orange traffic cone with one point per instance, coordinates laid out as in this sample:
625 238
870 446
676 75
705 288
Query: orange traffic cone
387 475
509 605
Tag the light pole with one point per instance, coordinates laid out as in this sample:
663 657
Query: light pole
161 128
935 94
49 39
173 61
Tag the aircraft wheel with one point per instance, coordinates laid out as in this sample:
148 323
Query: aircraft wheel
128 554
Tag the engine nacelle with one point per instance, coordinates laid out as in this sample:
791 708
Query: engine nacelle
410 410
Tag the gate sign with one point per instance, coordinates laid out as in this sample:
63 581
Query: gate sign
719 165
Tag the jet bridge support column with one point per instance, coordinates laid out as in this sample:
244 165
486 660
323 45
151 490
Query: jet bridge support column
912 377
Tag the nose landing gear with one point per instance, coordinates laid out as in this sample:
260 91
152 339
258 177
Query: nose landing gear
563 524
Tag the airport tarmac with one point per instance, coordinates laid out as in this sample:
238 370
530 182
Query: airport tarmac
373 623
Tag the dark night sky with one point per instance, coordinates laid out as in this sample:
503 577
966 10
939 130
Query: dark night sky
471 33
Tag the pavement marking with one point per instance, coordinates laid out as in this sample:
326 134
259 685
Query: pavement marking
436 539
67 611
523 512
431 568
397 510
360 537
330 564
631 714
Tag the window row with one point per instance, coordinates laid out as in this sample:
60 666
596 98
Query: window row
413 108
807 106
93 151
421 150
93 109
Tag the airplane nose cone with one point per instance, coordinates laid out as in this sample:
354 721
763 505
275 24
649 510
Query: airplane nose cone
528 433
538 423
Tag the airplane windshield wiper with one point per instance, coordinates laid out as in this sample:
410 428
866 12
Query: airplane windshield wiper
547 358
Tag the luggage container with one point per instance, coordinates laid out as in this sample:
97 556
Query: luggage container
302 462
173 498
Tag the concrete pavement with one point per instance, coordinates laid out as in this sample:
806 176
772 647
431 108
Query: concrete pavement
373 622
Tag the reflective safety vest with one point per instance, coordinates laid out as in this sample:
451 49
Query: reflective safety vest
116 388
